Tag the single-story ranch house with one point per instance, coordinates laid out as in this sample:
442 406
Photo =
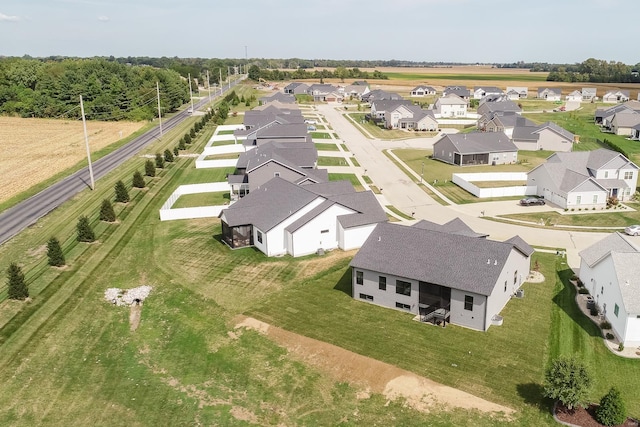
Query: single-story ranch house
475 148
438 273
281 217
610 270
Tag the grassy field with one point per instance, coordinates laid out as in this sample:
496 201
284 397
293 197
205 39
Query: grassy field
388 134
226 156
326 147
332 161
320 135
491 77
35 150
439 174
607 217
202 199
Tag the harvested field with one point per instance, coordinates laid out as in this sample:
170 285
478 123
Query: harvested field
37 149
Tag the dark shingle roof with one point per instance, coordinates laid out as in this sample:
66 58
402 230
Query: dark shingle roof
453 260
481 142
455 226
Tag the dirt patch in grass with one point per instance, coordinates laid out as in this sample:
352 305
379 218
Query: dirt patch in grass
37 149
372 375
134 317
313 266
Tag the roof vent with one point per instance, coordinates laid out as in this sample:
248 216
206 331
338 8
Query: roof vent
495 262
488 261
626 282
379 238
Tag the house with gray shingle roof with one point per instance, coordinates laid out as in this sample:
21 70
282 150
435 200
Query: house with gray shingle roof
480 92
355 91
408 116
506 122
380 95
589 94
604 116
283 98
517 92
574 96
624 121
475 148
461 91
439 273
293 161
584 179
380 107
280 218
610 271
450 105
503 106
616 96
422 91
546 136
296 88
550 94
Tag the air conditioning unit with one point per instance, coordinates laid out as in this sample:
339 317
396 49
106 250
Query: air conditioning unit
520 293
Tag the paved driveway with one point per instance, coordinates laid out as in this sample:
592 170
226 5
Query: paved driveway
405 195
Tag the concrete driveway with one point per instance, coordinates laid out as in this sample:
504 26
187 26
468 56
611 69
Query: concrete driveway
407 196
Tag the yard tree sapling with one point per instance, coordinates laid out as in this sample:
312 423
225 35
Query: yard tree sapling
122 194
17 287
107 213
159 161
138 180
54 253
84 231
612 410
149 168
168 156
567 380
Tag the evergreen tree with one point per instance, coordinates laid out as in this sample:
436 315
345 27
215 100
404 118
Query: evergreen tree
567 380
54 253
138 180
168 156
612 410
182 145
122 194
159 161
176 151
85 232
192 133
149 168
107 213
187 139
17 287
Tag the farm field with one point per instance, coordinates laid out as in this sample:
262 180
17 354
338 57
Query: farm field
37 149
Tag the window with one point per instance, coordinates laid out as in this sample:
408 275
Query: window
468 302
359 277
601 290
606 174
403 288
628 175
578 200
595 199
366 297
324 231
515 277
276 174
382 283
403 306
505 286
616 309
259 236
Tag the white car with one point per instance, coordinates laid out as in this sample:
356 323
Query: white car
632 230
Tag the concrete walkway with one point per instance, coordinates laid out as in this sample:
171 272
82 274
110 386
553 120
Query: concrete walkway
407 196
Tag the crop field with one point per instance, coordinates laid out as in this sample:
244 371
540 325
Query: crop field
34 150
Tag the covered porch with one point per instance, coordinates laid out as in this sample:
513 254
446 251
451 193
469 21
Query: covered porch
237 237
471 159
434 302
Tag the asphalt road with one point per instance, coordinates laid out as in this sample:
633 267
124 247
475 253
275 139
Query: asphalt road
22 215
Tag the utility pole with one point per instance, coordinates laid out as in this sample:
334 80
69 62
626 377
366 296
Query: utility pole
159 111
190 93
220 80
86 143
208 85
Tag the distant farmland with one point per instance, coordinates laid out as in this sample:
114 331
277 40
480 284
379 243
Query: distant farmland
34 150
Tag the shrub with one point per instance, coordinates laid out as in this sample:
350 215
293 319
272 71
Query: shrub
159 161
138 180
192 133
612 409
187 139
122 194
17 287
594 311
54 253
149 168
182 145
620 346
168 156
605 325
84 230
567 380
566 209
572 209
176 151
609 336
107 213
583 291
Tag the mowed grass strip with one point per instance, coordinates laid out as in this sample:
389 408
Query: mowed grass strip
590 218
332 161
320 146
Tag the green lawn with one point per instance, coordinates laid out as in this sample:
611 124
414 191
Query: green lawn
202 199
607 217
226 156
439 174
326 147
381 133
320 135
225 132
355 162
332 161
398 212
347 177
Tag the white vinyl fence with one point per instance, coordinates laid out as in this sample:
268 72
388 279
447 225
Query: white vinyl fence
466 180
168 214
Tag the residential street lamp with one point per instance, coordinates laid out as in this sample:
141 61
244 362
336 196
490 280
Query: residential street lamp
422 172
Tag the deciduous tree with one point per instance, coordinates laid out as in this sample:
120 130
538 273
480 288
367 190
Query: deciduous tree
568 381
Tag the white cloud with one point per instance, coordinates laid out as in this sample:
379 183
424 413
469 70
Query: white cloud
103 18
9 18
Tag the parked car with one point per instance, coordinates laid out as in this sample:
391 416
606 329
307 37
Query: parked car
531 201
632 230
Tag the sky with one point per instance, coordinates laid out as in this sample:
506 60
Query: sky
466 31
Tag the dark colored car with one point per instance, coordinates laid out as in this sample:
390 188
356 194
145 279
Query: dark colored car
531 201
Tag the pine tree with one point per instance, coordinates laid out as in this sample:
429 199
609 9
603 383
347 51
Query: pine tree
159 161
107 213
182 145
187 139
168 156
54 253
17 287
176 151
192 133
612 410
138 180
85 232
122 194
149 168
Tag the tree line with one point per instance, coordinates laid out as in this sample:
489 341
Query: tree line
256 73
110 90
596 71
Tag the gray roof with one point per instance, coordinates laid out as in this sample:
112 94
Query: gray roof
389 104
321 88
488 89
455 226
294 154
280 97
550 90
627 267
555 128
480 142
451 99
616 92
287 130
379 94
461 91
519 243
627 118
511 120
424 88
525 133
452 260
499 106
614 242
